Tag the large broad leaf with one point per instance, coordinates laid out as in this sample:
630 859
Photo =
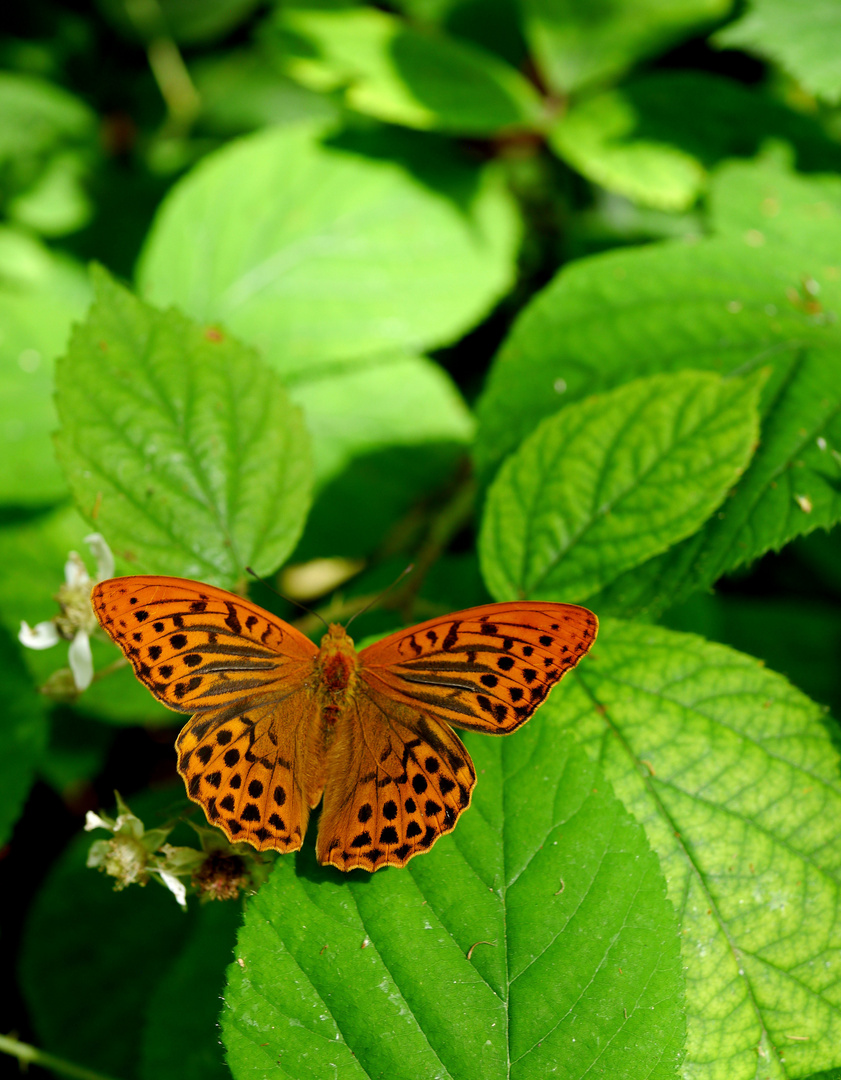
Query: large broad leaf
634 140
385 435
729 305
535 940
403 401
319 251
24 735
241 90
776 205
802 38
40 294
613 480
179 445
576 44
404 75
735 775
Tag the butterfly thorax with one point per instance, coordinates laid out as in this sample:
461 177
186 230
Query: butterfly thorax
337 665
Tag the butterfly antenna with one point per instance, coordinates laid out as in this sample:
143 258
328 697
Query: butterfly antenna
379 596
288 599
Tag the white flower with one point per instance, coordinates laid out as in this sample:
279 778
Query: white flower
77 620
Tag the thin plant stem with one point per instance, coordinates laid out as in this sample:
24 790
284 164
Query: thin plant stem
31 1055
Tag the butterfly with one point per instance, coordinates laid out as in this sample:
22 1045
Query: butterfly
279 722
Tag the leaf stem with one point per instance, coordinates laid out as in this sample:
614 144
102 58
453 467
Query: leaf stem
31 1055
166 62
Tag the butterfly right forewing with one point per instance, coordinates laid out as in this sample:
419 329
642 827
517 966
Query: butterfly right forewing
485 669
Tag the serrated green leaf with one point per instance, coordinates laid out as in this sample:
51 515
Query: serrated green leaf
40 295
802 39
610 481
178 443
24 735
360 975
735 776
792 486
729 305
634 140
87 990
403 74
181 1036
317 251
577 44
725 305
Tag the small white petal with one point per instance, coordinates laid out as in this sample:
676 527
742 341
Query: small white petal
175 886
75 571
94 821
81 660
102 553
42 635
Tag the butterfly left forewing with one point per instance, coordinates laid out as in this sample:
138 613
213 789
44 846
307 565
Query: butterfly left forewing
485 669
197 647
248 755
396 780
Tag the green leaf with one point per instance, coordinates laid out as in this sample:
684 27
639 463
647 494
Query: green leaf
40 294
38 550
548 885
404 75
241 90
178 443
404 401
181 1036
610 481
634 140
24 735
735 776
87 990
776 205
793 486
728 304
764 627
318 251
41 125
577 44
802 39
385 436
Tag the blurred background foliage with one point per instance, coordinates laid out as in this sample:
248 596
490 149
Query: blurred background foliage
457 154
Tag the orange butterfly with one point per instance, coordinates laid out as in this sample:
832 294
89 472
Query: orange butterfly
277 721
